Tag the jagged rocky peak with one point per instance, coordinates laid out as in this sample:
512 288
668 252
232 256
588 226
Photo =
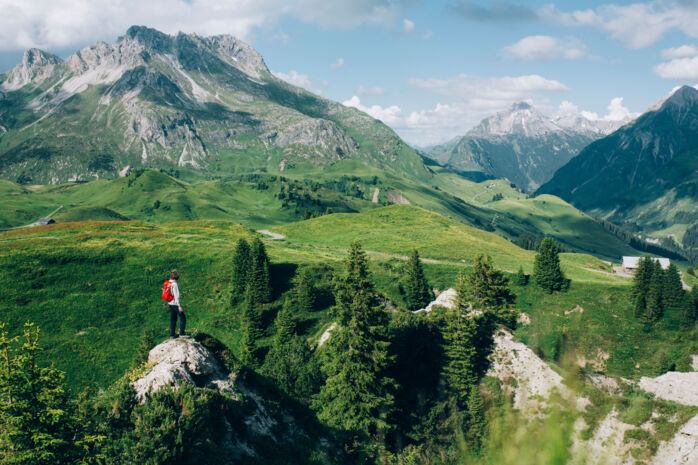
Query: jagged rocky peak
520 118
36 66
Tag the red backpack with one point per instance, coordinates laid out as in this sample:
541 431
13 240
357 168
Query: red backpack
167 292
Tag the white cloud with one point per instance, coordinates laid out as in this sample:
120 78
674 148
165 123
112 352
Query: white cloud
679 52
545 48
470 99
616 111
338 64
680 69
504 88
407 25
64 23
637 25
427 35
298 79
372 91
392 115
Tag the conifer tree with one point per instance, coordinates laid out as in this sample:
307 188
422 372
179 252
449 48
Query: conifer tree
546 267
356 396
643 276
688 309
259 286
485 286
242 263
672 288
476 419
289 361
304 291
418 293
36 415
521 278
654 295
640 306
285 324
251 329
460 333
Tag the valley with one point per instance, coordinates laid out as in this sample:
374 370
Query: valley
348 298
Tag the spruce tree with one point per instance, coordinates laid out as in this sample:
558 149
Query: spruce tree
418 293
655 305
521 278
356 395
688 309
546 267
259 286
289 361
459 334
640 306
672 288
242 264
251 329
476 418
643 276
36 416
304 291
487 287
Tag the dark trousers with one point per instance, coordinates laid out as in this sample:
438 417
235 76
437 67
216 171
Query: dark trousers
174 312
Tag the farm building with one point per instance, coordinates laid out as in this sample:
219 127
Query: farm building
43 222
630 263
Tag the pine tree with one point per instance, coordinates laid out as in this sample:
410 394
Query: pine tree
36 416
251 329
546 267
672 288
242 263
258 284
521 278
640 306
285 324
487 287
356 396
688 309
304 291
418 293
460 333
655 305
643 276
476 418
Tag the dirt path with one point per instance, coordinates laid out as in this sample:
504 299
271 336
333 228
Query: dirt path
607 273
275 236
375 195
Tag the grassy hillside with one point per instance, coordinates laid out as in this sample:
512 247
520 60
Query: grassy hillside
94 287
265 200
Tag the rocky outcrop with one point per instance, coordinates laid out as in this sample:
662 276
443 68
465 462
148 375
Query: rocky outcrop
682 449
183 360
447 299
674 386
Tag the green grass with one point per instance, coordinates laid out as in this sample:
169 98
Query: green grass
94 287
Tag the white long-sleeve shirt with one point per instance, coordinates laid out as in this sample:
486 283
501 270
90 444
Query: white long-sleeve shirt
174 289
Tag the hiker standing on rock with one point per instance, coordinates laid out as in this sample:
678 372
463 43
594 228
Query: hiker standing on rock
170 293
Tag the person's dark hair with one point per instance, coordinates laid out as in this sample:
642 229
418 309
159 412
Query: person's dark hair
174 274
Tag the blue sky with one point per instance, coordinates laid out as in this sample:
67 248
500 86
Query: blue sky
431 70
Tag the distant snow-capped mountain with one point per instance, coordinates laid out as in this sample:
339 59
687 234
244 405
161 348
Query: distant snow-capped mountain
522 144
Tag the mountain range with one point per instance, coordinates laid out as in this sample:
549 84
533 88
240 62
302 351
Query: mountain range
521 144
643 176
207 104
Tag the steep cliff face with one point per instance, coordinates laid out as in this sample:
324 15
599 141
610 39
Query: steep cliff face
150 99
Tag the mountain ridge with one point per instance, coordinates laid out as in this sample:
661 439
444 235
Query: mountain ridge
643 175
208 104
521 144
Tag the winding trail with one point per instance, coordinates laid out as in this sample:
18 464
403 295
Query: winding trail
375 195
275 236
